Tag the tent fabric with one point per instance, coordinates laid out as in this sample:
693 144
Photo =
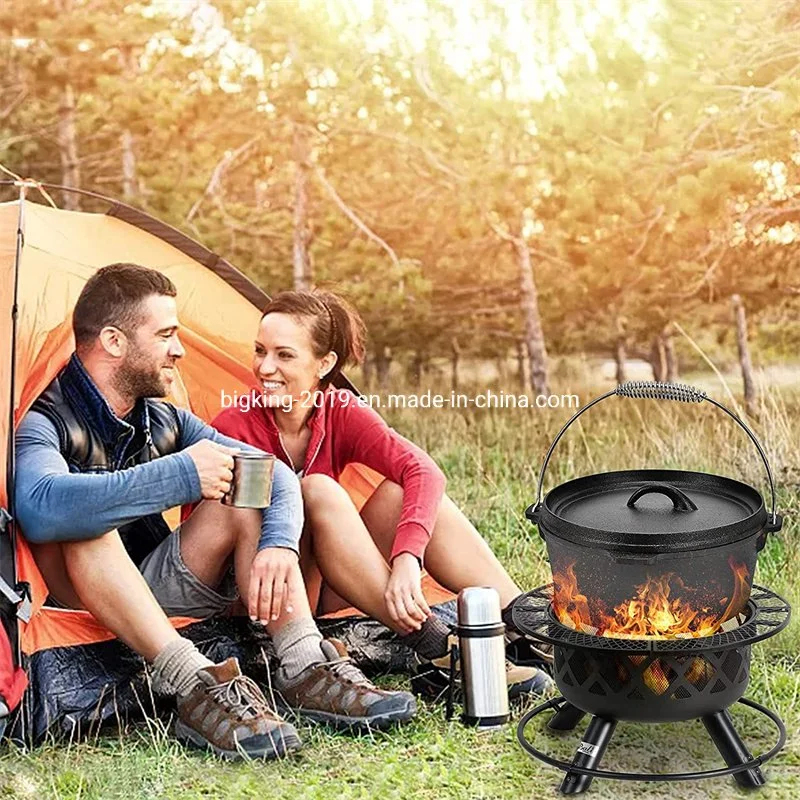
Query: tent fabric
193 249
218 308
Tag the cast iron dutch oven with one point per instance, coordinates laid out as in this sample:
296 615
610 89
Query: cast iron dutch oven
617 530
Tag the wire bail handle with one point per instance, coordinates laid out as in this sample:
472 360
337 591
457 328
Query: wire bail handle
658 390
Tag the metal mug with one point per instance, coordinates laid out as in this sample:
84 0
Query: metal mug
251 486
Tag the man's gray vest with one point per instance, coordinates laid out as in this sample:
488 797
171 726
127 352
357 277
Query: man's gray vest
70 407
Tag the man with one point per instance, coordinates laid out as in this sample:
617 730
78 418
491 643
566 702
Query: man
97 464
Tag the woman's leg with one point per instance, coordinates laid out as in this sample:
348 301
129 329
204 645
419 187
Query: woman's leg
456 556
312 577
343 549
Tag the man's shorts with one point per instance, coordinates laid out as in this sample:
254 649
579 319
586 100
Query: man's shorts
177 590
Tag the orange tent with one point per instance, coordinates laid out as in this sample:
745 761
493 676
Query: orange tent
219 311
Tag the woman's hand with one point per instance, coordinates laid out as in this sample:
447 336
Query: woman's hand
404 599
274 579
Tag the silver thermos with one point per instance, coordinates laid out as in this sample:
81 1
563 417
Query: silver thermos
481 635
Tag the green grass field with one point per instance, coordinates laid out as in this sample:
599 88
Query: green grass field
492 459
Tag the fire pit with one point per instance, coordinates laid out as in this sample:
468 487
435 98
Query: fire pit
652 611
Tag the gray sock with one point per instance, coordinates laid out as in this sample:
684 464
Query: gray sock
430 641
175 668
297 646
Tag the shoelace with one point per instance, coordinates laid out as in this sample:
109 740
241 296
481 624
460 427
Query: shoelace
244 698
345 669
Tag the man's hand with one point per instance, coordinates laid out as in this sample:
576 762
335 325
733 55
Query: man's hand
404 599
214 464
274 580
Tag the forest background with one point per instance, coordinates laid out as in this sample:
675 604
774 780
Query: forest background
520 184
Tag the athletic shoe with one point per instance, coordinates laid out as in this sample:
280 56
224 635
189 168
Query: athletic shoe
228 714
337 693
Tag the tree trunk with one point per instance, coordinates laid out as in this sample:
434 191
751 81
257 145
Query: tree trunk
68 148
670 356
502 370
301 259
368 370
534 335
658 359
620 351
620 358
130 184
455 357
383 360
417 368
523 366
744 355
66 133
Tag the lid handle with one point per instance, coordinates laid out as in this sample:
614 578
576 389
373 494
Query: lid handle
680 500
657 390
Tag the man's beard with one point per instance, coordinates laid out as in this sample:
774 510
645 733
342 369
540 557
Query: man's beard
136 378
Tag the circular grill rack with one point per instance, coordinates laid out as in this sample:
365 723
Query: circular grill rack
767 614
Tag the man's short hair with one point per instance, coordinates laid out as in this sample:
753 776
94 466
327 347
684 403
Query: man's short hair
114 296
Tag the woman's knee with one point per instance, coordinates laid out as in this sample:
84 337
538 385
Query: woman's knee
321 490
389 491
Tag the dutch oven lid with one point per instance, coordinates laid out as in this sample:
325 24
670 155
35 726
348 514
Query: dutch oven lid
667 511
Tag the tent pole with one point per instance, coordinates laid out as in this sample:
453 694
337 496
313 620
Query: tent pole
10 451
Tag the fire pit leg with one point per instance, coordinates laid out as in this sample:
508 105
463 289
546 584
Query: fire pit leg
732 748
566 718
589 753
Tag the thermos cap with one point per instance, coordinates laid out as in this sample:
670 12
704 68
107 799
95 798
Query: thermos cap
478 605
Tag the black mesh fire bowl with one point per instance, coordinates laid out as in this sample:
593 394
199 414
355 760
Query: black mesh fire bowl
651 680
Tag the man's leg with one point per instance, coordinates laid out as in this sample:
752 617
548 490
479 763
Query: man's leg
101 575
315 678
217 536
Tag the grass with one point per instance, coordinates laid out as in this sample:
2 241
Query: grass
492 460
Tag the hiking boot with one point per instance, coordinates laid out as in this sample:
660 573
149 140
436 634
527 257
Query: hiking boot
526 653
228 714
339 694
432 677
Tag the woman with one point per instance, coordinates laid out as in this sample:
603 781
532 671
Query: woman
372 560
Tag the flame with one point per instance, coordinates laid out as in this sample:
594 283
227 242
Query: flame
570 603
654 611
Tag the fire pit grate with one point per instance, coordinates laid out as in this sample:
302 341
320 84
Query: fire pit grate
766 614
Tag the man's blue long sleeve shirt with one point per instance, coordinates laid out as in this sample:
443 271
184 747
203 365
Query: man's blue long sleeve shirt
54 504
